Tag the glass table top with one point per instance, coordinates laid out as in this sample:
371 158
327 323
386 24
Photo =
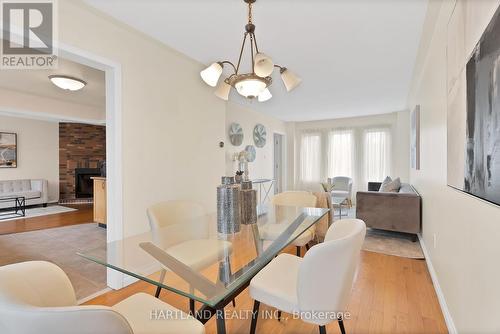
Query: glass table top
192 259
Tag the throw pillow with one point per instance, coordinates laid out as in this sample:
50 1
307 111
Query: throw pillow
392 187
384 184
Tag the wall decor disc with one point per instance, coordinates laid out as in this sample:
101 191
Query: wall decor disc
250 149
259 135
235 134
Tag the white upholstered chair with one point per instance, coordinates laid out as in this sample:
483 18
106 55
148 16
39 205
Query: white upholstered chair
342 186
180 228
37 297
303 199
319 282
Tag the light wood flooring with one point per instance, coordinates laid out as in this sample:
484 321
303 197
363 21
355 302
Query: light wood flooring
83 215
391 295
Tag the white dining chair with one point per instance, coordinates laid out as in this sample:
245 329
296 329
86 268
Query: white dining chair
181 229
270 232
342 187
318 284
37 297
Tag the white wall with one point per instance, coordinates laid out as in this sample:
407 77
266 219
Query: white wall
467 230
262 167
14 102
171 121
398 122
37 152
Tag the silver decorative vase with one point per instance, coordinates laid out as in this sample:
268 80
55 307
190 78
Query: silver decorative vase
228 206
248 203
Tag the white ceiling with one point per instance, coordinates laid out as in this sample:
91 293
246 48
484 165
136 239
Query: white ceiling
355 57
36 82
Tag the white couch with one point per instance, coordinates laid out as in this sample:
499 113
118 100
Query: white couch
35 191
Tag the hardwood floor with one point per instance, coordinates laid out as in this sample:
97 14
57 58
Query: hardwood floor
391 295
82 216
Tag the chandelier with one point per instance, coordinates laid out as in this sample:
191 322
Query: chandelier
249 85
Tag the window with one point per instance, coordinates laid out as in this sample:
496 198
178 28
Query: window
341 153
310 152
377 154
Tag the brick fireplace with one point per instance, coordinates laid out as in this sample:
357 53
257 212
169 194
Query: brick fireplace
82 147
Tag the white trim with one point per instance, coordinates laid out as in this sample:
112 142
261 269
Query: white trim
114 181
48 117
442 301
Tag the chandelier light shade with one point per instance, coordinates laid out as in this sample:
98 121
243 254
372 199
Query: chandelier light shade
223 89
212 74
67 83
265 95
263 65
289 79
255 83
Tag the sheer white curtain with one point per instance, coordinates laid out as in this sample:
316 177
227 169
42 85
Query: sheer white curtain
310 158
377 154
341 153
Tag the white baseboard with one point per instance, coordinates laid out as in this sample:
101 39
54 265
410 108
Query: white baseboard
442 301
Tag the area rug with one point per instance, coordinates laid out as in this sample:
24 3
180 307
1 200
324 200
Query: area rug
392 243
39 211
386 242
59 246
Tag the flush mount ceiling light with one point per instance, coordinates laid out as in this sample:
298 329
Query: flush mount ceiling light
67 83
250 85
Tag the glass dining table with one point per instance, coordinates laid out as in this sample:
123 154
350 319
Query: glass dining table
192 259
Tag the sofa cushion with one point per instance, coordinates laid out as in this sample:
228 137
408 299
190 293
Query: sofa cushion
340 193
27 194
11 186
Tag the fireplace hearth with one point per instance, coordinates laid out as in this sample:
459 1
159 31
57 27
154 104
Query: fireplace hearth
84 185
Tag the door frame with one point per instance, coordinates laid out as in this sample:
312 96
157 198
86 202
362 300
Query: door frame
114 172
114 152
283 161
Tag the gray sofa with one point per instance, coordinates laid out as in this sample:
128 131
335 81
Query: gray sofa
35 192
400 212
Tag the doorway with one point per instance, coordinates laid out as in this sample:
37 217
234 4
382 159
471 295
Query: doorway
278 163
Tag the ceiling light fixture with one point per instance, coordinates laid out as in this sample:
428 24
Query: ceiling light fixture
250 85
67 83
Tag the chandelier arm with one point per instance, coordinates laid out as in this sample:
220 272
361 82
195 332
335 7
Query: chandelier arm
251 52
255 41
228 62
282 68
241 52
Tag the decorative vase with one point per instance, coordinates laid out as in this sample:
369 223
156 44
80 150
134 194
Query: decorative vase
248 203
228 206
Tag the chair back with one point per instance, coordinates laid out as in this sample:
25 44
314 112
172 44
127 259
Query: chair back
173 222
295 198
37 297
341 183
327 272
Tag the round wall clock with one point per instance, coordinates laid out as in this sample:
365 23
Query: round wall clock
235 134
250 149
259 135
